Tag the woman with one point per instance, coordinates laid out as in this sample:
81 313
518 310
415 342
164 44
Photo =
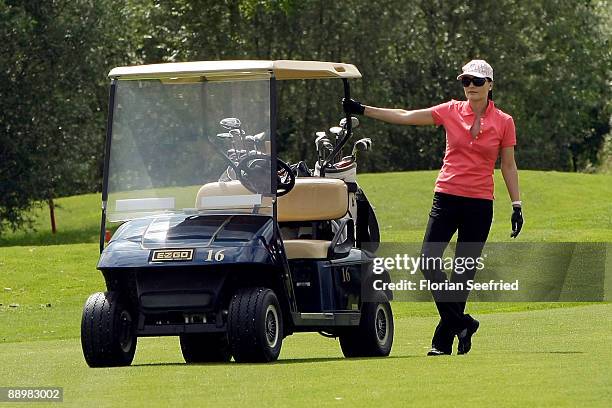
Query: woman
476 134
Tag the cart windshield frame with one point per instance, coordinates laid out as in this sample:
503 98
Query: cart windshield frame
167 142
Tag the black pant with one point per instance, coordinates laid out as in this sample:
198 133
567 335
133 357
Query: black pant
471 218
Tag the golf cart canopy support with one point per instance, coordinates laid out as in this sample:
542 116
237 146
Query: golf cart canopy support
223 70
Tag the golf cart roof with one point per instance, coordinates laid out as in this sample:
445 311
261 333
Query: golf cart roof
224 70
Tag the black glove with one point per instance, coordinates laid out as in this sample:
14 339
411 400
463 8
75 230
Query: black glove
352 107
517 221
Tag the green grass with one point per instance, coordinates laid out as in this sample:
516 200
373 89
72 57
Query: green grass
543 354
545 358
50 285
557 207
77 219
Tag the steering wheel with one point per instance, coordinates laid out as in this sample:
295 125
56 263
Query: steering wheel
253 173
285 178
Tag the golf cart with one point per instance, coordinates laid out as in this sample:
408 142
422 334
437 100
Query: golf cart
220 242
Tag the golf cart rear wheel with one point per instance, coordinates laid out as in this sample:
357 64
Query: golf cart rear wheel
255 325
374 335
205 347
107 331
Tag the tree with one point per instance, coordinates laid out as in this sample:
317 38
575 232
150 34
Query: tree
54 97
552 65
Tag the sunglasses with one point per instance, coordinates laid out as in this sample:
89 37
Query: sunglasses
475 80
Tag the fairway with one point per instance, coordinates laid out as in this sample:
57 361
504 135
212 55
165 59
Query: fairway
526 354
549 215
557 358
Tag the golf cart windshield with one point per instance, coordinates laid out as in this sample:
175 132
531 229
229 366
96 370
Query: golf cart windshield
190 145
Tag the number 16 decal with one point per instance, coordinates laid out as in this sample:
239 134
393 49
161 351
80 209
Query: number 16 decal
215 256
346 275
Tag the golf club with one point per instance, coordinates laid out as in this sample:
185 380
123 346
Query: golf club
318 143
251 140
354 122
327 145
227 136
338 132
362 145
258 141
230 123
238 134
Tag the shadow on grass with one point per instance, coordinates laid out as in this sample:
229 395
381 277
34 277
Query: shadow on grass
279 362
332 359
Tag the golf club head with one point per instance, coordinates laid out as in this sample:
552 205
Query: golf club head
336 130
233 155
230 123
328 147
327 144
235 133
354 122
363 145
320 136
360 146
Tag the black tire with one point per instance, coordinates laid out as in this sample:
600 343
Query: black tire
374 335
205 347
255 325
108 331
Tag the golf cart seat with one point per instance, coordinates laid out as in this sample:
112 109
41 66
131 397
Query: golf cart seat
229 195
311 199
307 248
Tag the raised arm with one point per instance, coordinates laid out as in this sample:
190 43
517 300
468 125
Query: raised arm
400 116
395 116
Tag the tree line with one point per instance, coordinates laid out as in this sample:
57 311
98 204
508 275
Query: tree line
552 62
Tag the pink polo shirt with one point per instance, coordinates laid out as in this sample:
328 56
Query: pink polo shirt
469 162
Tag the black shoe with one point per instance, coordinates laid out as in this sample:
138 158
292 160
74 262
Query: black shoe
435 352
465 337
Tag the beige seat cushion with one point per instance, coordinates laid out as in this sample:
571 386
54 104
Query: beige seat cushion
311 199
306 248
314 199
211 191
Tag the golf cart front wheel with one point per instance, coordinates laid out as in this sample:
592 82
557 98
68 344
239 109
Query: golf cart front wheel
255 325
374 335
108 333
205 347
